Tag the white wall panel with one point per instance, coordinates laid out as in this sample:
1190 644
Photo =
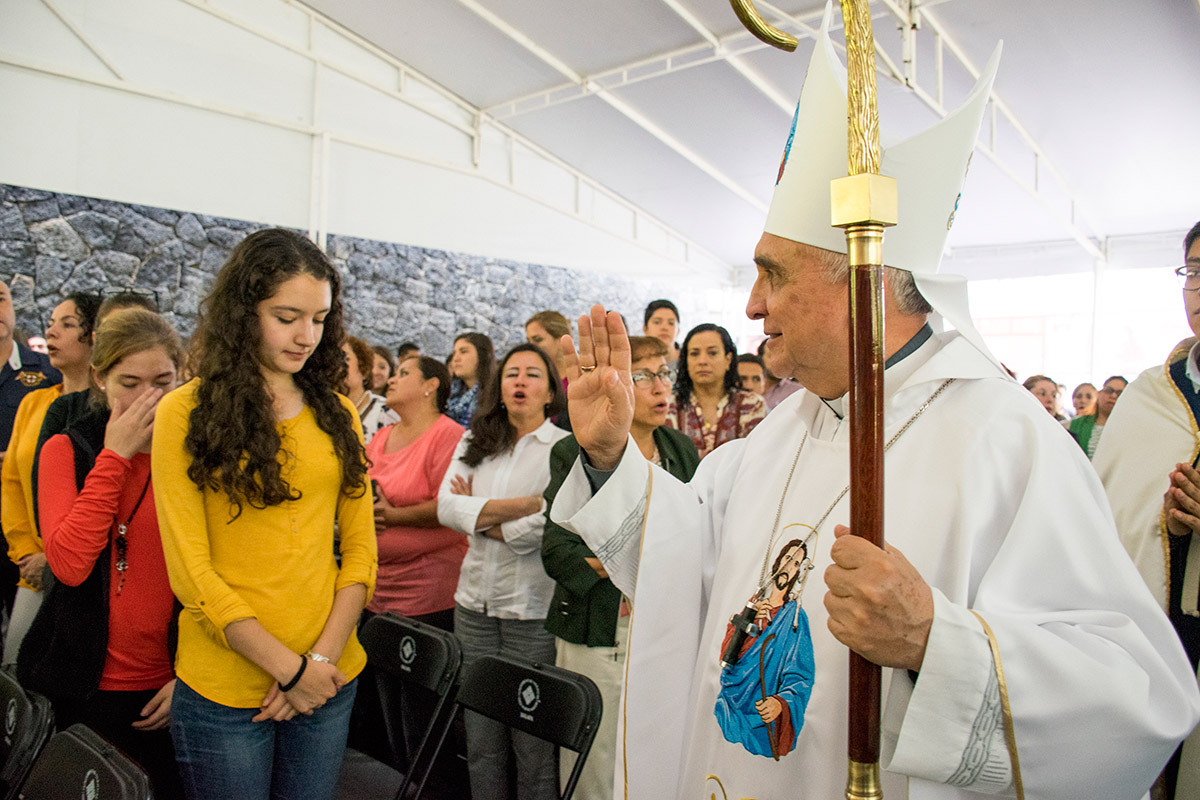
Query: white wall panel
259 109
348 107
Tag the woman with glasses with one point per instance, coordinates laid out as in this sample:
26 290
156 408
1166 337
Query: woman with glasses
1087 429
710 405
587 614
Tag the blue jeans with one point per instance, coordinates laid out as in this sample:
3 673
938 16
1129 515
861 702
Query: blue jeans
222 754
488 741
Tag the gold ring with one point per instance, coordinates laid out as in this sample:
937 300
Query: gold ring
586 369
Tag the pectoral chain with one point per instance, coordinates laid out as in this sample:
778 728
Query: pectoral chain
776 530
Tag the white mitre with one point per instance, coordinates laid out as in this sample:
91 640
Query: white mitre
929 167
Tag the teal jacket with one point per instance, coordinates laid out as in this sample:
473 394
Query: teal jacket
585 606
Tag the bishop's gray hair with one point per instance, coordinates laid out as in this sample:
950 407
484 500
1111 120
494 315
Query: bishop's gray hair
909 300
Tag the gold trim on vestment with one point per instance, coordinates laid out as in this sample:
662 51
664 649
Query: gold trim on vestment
629 640
1010 733
1180 352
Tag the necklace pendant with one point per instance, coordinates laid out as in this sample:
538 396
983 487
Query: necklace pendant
122 565
121 529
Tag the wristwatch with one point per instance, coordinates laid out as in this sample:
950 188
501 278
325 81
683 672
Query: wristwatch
318 657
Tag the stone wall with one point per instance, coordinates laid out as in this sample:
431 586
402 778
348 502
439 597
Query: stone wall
53 244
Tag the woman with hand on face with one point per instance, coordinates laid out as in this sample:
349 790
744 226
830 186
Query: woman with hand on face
710 406
493 493
373 410
587 614
125 685
69 341
471 366
255 461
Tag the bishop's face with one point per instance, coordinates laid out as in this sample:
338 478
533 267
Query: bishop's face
805 316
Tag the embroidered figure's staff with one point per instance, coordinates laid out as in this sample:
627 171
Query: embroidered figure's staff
863 203
762 682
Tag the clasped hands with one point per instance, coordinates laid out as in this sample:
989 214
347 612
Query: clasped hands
319 683
1181 503
878 604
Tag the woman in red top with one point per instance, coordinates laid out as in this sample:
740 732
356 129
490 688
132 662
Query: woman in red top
135 360
419 559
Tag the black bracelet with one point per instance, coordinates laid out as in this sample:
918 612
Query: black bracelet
287 687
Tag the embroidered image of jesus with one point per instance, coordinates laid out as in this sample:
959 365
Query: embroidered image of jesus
767 679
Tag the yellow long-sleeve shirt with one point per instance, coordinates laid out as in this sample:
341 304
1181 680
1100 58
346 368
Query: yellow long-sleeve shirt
275 564
16 476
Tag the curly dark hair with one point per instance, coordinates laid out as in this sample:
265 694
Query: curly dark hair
87 306
231 432
491 432
683 379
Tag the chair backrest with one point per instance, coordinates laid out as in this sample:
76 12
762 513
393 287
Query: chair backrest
412 651
403 650
545 701
28 722
79 762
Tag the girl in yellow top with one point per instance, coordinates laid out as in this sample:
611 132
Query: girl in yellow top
69 340
253 462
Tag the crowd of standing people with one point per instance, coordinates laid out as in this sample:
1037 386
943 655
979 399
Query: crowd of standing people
196 536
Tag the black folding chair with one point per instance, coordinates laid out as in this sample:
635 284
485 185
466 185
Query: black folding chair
28 723
79 762
405 653
553 704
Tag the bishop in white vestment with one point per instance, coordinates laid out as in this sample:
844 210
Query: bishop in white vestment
1004 601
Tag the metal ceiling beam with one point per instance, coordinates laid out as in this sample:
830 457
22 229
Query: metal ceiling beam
616 103
739 66
912 16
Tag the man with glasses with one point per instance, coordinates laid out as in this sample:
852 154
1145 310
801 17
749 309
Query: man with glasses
588 615
1151 447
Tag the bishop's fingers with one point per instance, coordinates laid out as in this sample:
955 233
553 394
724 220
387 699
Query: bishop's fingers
600 338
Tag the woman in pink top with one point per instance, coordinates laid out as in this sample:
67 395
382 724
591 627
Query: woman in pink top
419 559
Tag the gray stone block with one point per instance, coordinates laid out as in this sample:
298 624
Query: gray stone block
16 255
84 279
151 232
161 269
55 237
212 258
39 210
194 286
23 194
118 268
128 241
69 204
12 225
162 216
225 237
191 231
50 274
98 230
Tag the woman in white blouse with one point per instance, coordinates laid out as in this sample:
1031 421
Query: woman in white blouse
493 493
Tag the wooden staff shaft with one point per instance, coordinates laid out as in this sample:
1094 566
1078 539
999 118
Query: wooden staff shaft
866 484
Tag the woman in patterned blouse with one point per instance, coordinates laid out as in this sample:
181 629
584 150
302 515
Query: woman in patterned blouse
471 365
709 405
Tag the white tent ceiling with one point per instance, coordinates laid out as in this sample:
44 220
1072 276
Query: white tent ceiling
673 105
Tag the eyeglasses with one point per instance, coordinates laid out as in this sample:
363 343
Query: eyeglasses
1190 275
645 378
1111 392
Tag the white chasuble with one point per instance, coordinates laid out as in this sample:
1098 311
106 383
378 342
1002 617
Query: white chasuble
999 511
